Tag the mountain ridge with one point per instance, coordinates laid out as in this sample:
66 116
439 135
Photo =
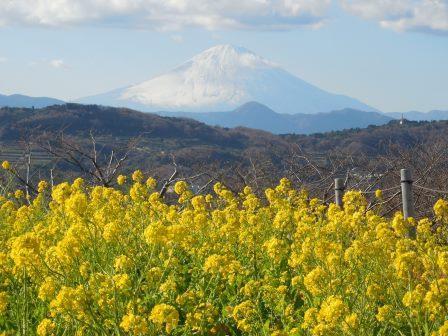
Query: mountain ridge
420 116
258 116
192 141
18 100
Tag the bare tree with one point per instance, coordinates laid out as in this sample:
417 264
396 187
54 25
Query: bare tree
98 161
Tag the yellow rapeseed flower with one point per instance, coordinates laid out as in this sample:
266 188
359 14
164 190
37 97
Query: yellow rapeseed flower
95 259
6 165
121 179
165 315
151 183
41 186
180 187
46 328
137 176
134 324
378 193
385 313
19 194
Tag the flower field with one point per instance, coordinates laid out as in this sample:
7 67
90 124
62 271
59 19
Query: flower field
78 260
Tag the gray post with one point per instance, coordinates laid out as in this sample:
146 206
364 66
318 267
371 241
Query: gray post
339 188
406 195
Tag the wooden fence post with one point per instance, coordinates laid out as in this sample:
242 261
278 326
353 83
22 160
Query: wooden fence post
339 188
406 196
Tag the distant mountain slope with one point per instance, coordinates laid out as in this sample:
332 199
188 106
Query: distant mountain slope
190 141
221 79
375 140
17 100
79 120
258 116
194 143
421 116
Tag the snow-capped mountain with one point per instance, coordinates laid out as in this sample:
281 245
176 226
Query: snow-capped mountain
221 79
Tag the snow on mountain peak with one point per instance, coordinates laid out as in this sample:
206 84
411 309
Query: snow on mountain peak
229 55
222 78
216 77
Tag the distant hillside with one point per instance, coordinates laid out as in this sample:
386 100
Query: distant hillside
17 100
259 116
79 120
192 141
421 116
374 140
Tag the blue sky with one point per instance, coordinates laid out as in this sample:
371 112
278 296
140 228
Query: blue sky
393 57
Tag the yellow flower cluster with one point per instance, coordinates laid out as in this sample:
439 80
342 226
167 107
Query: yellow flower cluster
6 165
79 260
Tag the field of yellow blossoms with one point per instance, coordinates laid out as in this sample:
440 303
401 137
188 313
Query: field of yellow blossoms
78 260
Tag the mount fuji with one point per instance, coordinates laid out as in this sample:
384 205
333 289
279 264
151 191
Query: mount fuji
221 79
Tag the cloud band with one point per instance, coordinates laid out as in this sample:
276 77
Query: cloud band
166 14
402 15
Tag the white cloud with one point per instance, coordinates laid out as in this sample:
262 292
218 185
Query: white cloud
3 59
167 14
423 15
177 38
402 15
57 63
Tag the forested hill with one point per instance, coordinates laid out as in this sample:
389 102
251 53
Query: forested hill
375 139
175 134
159 138
81 120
